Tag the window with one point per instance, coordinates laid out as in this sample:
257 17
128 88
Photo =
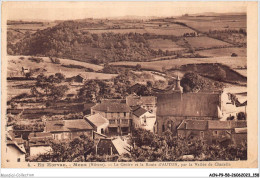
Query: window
112 121
163 128
18 159
144 119
124 121
102 131
124 114
215 133
201 134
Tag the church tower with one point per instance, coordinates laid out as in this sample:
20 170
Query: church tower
178 84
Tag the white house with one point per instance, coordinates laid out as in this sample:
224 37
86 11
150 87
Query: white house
38 143
99 123
14 152
144 119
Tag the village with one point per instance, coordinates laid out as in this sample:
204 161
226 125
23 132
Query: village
127 89
212 117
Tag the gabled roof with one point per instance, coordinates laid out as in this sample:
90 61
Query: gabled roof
121 146
140 111
193 125
117 143
134 100
11 141
111 107
97 119
67 125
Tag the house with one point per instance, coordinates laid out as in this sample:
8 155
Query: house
118 115
39 143
174 106
98 122
209 131
110 146
68 129
14 151
144 119
146 102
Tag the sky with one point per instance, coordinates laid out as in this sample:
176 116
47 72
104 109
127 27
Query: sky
81 10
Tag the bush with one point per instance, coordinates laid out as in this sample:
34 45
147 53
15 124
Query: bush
22 58
234 55
35 59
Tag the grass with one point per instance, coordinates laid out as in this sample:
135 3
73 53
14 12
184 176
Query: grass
164 45
168 64
205 42
204 24
241 52
172 29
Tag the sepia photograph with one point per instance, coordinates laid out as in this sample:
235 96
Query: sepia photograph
99 83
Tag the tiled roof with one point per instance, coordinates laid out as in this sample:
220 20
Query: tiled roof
140 111
207 124
219 124
193 125
67 125
112 107
39 134
188 104
97 119
133 100
121 146
39 141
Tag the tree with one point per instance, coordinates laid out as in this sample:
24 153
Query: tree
75 150
241 116
220 74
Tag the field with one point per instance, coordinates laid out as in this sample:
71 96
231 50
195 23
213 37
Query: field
15 66
241 52
164 45
205 42
169 29
224 22
168 64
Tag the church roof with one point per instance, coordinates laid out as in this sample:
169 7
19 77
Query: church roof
188 104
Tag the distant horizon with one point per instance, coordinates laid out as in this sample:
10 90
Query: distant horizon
52 11
135 17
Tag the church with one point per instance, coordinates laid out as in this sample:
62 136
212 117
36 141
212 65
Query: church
174 106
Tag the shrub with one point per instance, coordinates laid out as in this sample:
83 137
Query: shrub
234 55
22 58
35 59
